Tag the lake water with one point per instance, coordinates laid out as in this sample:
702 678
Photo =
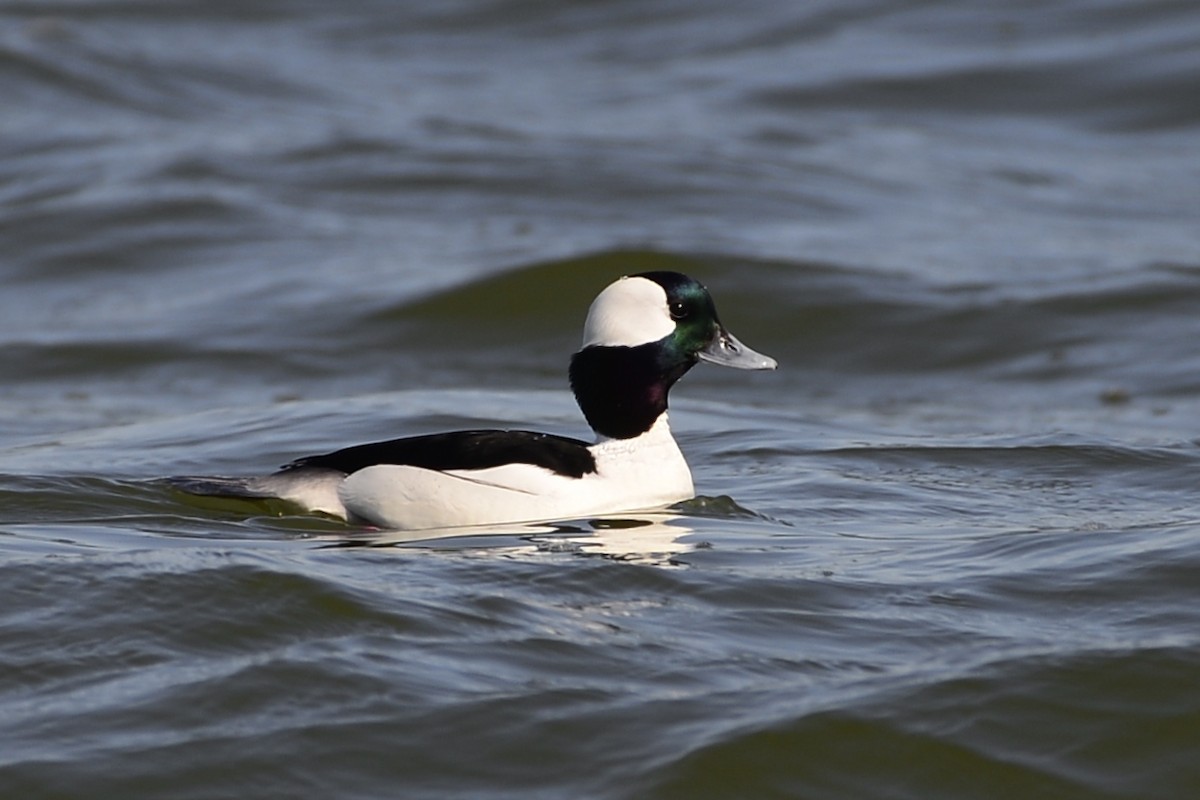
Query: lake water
951 549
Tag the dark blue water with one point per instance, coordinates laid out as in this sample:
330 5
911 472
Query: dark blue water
949 550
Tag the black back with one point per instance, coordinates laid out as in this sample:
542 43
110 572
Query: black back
478 449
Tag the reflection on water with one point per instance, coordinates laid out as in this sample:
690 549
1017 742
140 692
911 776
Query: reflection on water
643 538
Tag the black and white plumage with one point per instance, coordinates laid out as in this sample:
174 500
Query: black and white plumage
642 334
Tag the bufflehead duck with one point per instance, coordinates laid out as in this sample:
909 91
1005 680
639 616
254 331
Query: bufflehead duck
642 334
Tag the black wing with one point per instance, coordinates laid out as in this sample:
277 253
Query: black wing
463 450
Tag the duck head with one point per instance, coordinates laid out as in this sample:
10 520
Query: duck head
642 334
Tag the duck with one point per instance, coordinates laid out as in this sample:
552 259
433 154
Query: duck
643 332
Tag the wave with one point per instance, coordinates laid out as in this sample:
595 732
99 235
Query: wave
1127 335
1083 724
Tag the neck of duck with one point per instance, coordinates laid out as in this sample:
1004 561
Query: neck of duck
622 391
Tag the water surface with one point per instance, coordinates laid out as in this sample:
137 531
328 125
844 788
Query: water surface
949 550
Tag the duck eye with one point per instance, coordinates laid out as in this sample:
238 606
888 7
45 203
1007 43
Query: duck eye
678 311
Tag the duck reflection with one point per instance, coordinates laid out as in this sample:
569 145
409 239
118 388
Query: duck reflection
650 538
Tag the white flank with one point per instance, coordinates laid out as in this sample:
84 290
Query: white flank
632 475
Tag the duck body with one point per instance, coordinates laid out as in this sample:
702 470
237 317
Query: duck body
642 334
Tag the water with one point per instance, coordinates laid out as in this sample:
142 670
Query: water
950 549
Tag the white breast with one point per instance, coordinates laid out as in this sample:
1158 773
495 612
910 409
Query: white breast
631 475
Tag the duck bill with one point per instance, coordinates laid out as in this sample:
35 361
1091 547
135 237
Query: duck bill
725 350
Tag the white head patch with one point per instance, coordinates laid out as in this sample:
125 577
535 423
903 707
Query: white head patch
628 313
